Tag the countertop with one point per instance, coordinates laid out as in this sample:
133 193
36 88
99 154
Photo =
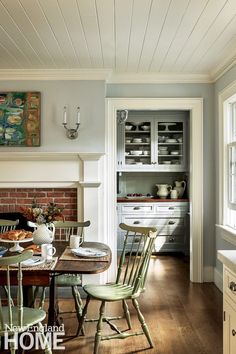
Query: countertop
148 200
228 258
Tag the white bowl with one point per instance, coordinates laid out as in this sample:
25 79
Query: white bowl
174 152
137 140
146 152
145 127
128 141
128 127
163 148
171 141
180 140
136 152
164 152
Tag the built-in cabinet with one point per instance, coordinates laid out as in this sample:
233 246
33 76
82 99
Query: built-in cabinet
229 311
152 142
170 218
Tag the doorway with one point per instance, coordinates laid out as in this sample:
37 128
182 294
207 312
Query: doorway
195 107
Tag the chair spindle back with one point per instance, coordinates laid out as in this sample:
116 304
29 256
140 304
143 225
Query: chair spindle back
7 262
135 256
7 225
64 229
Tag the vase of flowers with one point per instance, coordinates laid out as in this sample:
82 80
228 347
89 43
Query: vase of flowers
42 219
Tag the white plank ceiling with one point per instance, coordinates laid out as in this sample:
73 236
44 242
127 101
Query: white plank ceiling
128 36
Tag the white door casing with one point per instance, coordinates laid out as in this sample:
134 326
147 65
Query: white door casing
195 107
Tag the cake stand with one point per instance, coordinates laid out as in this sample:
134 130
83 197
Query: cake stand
166 126
17 247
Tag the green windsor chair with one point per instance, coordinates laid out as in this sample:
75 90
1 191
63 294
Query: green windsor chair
18 319
63 231
7 225
129 284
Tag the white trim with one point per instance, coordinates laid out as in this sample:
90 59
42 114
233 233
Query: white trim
89 184
218 279
157 78
227 233
223 97
195 106
102 74
54 74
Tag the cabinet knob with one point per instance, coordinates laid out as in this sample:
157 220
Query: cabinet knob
171 208
136 208
136 222
233 332
171 239
232 286
171 222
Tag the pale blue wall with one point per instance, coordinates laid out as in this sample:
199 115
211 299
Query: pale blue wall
206 91
89 95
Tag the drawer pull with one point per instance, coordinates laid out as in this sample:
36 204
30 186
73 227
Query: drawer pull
136 208
171 222
232 286
233 332
136 222
171 208
171 239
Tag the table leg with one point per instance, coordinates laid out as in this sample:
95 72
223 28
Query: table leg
53 310
28 296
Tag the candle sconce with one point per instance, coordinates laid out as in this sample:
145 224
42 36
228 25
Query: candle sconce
71 133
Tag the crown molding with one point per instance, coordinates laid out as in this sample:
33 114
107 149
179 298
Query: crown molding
221 69
54 74
113 77
157 78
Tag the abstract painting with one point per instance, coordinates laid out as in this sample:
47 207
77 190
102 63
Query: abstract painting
19 118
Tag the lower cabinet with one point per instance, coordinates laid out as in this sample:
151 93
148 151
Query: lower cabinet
171 220
229 326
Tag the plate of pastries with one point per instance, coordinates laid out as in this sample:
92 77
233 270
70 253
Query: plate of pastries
16 235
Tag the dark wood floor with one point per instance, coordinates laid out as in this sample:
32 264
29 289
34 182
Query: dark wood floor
183 318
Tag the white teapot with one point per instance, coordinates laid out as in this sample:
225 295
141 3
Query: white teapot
163 190
180 188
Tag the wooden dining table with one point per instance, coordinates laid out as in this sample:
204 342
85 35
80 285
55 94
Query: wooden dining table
46 277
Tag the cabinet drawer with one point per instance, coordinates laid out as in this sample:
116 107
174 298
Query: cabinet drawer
171 210
169 243
137 208
230 285
164 226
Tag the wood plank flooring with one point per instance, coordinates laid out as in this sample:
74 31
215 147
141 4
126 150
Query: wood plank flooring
183 318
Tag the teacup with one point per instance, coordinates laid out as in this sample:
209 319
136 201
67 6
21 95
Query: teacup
47 251
75 241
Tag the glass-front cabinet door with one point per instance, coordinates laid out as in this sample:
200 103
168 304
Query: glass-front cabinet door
151 144
136 145
170 137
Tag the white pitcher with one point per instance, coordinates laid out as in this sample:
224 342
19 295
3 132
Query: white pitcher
163 190
180 188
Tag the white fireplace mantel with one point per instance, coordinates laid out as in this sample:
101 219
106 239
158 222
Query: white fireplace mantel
84 171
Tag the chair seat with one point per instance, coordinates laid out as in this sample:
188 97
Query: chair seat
30 317
109 292
68 280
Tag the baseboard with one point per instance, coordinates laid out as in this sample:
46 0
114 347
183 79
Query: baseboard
218 279
208 274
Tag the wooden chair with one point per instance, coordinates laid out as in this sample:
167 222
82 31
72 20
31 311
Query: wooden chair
7 225
18 318
63 230
129 284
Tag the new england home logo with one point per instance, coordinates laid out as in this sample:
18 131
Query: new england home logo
15 337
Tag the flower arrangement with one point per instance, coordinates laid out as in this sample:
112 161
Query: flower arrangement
43 215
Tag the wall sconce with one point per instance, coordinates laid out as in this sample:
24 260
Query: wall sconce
70 132
122 116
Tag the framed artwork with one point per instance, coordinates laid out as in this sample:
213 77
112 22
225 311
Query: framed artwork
20 118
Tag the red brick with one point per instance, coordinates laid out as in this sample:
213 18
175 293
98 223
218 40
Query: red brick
18 194
4 194
37 195
7 201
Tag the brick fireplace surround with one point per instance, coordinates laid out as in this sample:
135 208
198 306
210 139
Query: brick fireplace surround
12 199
